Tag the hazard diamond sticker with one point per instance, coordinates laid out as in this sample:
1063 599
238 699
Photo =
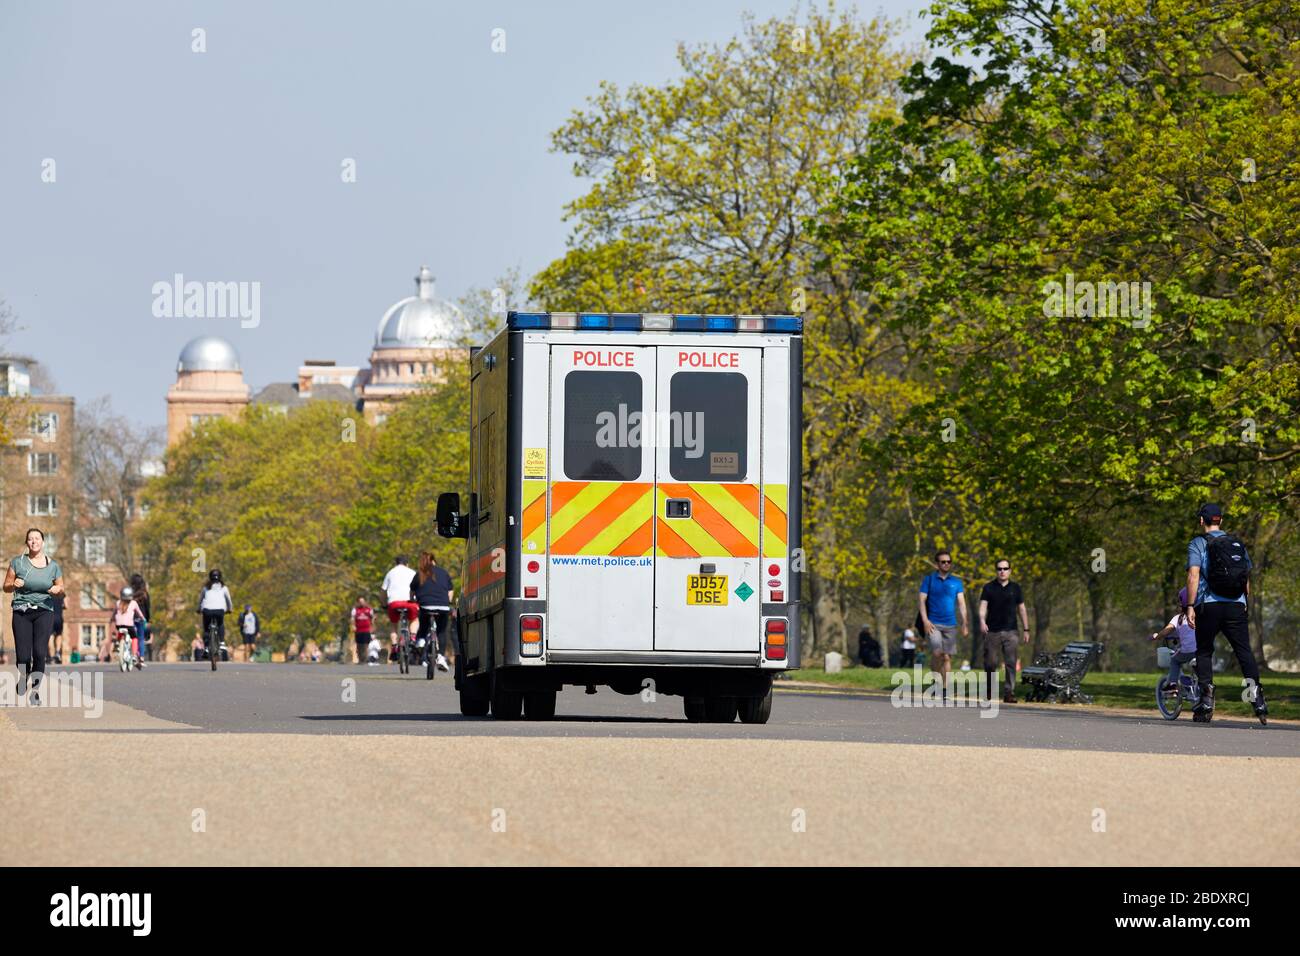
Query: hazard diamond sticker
744 591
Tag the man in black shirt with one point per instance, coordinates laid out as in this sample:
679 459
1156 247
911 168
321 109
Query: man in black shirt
1000 603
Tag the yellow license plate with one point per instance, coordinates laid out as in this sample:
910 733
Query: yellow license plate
706 589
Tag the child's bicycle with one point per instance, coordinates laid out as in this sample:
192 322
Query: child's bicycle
1171 696
126 659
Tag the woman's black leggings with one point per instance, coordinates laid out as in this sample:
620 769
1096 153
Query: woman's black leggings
32 630
220 618
431 619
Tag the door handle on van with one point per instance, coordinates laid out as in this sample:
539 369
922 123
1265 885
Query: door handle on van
677 508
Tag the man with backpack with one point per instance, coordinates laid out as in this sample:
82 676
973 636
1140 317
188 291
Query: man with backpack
1218 575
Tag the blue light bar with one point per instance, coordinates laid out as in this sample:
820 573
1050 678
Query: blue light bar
647 322
785 323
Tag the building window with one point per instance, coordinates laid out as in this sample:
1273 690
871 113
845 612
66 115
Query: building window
51 544
94 596
96 549
199 419
92 635
42 463
45 425
42 506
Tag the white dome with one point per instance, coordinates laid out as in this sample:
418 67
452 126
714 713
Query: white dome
208 353
421 321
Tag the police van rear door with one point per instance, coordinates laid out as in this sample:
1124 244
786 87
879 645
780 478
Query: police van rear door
707 567
601 499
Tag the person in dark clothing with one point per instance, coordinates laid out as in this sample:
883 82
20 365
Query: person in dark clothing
868 648
1218 571
432 590
57 637
1001 601
35 580
142 626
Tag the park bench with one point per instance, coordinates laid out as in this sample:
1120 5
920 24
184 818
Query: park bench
1056 677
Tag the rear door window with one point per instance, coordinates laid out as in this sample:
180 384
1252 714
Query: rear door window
600 412
709 423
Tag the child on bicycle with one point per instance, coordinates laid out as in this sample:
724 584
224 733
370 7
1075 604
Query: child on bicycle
125 615
1186 633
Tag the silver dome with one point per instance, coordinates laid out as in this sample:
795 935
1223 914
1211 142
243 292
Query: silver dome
421 321
208 353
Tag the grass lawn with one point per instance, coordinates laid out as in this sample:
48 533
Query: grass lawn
1114 689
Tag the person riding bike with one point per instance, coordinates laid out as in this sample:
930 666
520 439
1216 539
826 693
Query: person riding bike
214 605
1182 627
397 594
433 592
125 615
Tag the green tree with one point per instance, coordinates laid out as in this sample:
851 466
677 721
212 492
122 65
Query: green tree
1100 142
700 189
260 498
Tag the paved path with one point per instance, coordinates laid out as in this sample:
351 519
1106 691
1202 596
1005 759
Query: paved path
267 764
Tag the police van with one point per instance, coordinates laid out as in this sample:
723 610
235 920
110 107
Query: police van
633 513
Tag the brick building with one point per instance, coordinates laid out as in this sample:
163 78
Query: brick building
38 489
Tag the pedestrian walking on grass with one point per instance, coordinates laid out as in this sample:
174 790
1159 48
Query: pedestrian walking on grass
1001 602
909 648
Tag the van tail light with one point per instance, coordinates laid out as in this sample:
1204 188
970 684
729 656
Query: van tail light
774 635
530 635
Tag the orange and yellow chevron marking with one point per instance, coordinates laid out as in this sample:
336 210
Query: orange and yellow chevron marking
671 544
723 521
533 523
482 573
601 517
776 531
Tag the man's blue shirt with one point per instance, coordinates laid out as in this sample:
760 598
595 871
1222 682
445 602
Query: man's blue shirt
941 598
1198 556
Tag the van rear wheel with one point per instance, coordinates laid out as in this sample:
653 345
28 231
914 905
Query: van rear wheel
720 710
539 704
755 710
475 699
694 707
506 704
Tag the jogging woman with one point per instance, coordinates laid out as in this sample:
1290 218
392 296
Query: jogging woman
35 580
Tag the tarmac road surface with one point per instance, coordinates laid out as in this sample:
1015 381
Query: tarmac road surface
302 764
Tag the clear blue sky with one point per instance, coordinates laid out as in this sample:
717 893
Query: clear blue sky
226 165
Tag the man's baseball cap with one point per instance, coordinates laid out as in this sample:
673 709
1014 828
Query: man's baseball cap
1209 511
908 633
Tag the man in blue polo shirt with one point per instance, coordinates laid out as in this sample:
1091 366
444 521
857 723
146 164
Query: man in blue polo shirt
1218 571
942 601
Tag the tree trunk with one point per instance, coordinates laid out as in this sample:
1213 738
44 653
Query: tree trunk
1097 607
1042 605
829 632
881 620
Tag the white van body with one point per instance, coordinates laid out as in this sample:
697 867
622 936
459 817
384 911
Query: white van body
634 511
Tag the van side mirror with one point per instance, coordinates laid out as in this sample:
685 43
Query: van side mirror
451 523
